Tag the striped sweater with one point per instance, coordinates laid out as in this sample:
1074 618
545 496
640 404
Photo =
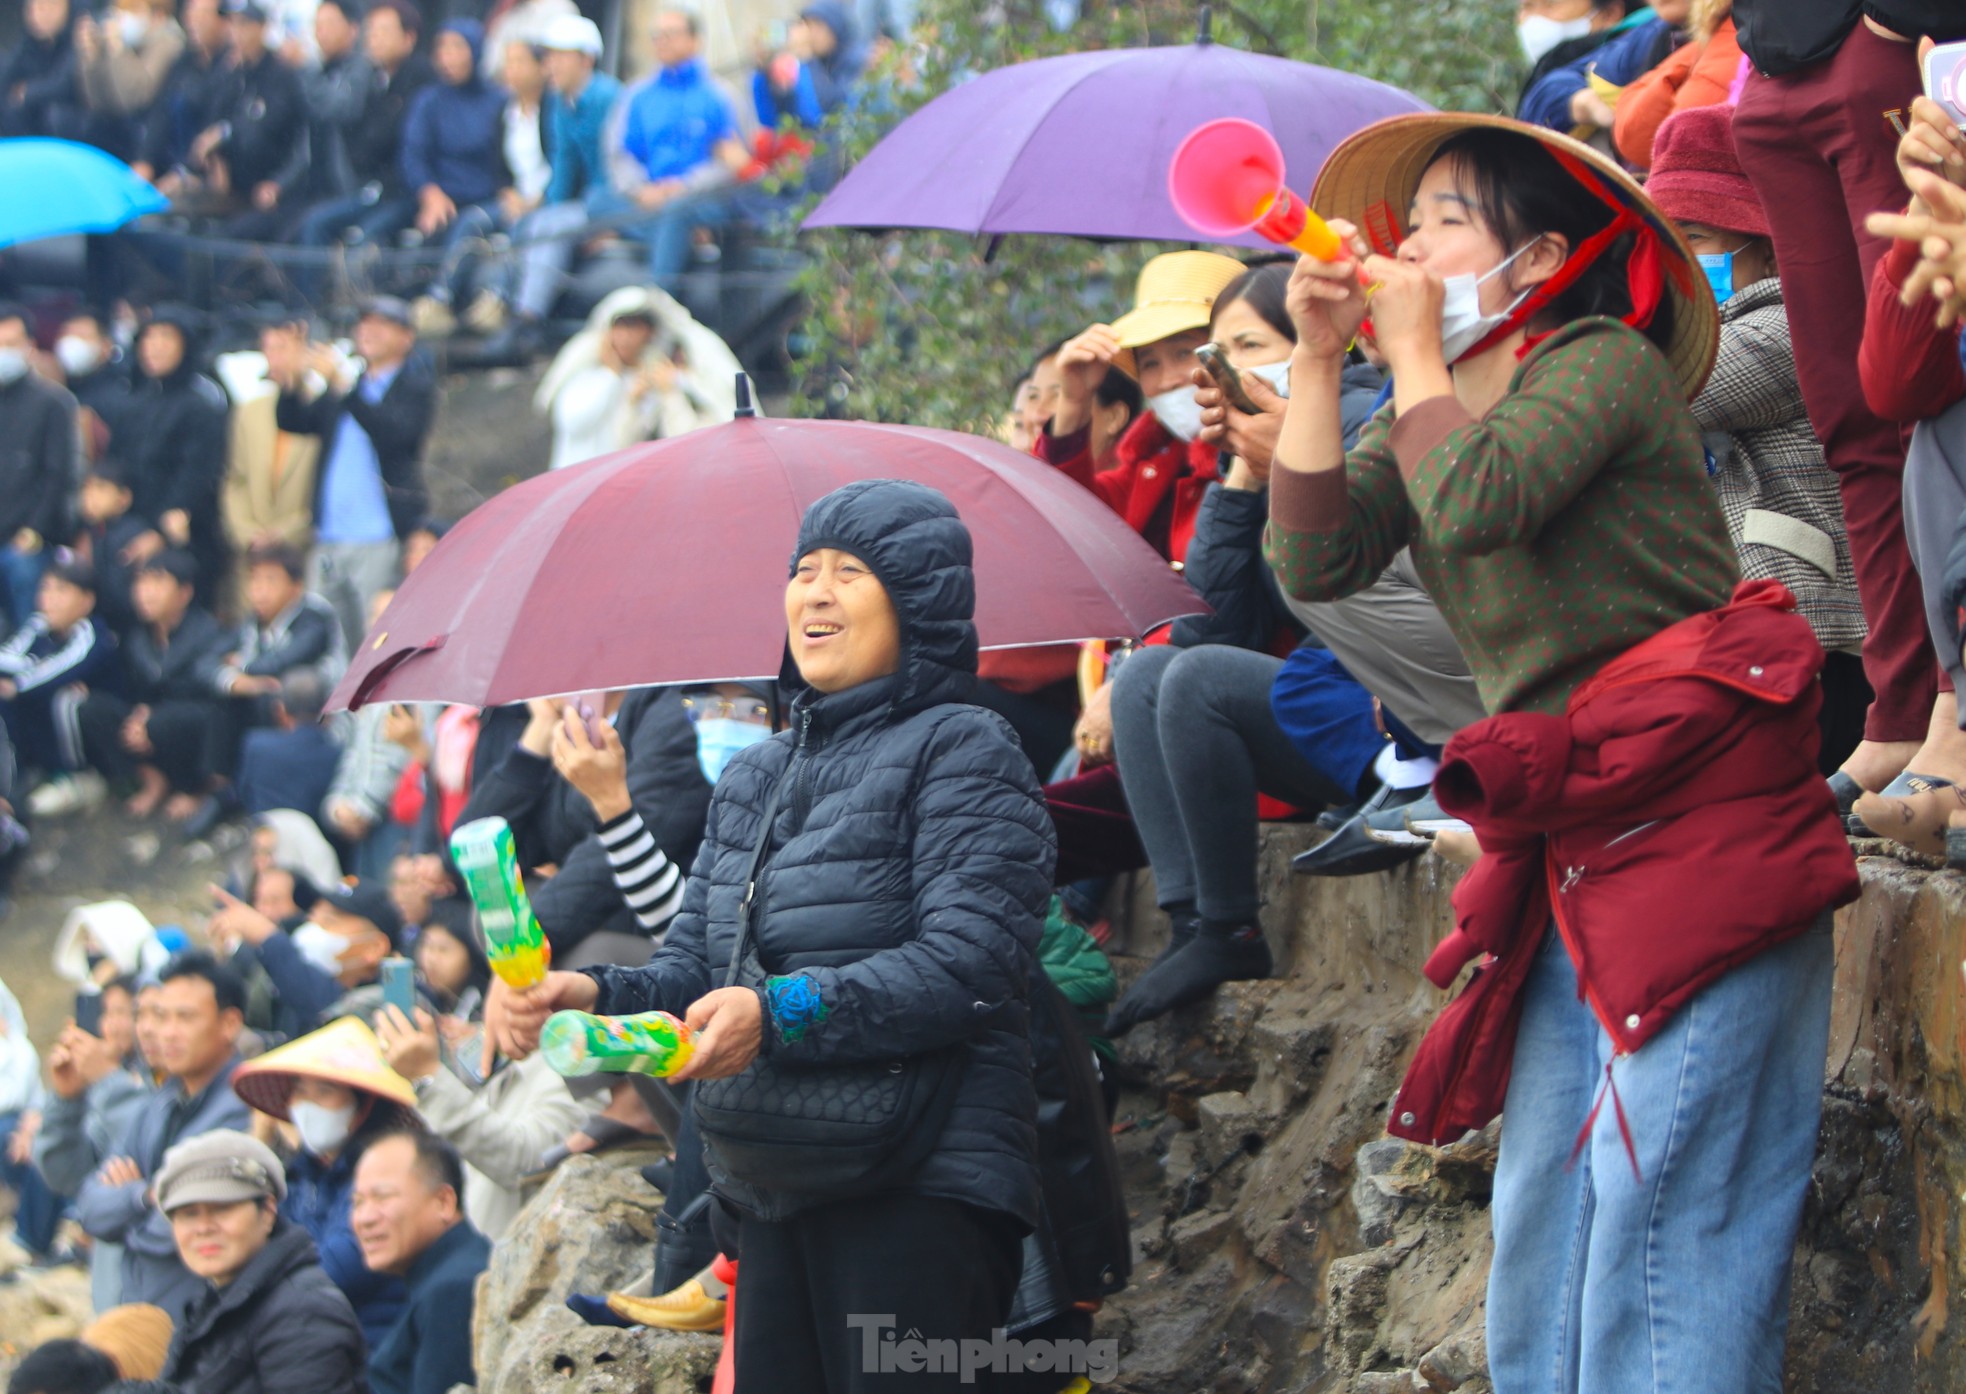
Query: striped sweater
1570 523
650 883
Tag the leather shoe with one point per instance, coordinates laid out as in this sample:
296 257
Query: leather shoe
1353 851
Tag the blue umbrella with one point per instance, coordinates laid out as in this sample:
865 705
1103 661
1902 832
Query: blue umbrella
51 188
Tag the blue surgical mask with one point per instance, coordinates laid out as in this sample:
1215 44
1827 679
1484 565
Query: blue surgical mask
720 737
1719 267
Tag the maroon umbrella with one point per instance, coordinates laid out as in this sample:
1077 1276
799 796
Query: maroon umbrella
667 563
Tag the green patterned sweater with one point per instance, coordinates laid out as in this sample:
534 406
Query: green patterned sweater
1572 522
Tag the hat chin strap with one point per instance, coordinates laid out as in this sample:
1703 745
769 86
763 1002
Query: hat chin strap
1644 271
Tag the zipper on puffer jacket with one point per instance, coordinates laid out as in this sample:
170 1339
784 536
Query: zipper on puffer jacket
1572 875
802 773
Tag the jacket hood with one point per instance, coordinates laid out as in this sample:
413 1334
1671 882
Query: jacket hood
191 325
849 55
916 544
473 33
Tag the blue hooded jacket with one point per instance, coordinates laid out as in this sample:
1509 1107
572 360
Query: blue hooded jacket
1621 60
825 85
320 1197
910 871
454 134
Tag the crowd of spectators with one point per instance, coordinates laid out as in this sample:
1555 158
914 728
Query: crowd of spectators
1608 377
507 154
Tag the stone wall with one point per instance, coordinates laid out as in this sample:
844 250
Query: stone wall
1286 1244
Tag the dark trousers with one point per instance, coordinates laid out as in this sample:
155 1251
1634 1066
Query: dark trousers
894 1265
42 725
685 1246
1819 145
184 737
38 1210
1196 740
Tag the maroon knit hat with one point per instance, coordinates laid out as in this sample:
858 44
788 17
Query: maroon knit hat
1696 177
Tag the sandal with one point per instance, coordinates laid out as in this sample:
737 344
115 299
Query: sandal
1912 809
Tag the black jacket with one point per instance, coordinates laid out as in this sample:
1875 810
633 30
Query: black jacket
38 93
260 106
335 97
171 432
1225 562
181 669
37 458
306 636
905 895
114 576
1783 35
280 1327
396 422
187 105
429 1347
374 138
553 822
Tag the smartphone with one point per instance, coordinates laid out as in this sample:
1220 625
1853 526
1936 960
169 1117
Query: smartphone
399 985
88 1012
590 705
1216 364
1945 78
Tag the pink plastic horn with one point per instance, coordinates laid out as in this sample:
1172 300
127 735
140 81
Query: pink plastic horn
1227 179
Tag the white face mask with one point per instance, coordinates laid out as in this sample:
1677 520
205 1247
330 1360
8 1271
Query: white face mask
1178 411
720 737
78 356
1277 375
320 948
1462 324
13 365
1538 34
322 1130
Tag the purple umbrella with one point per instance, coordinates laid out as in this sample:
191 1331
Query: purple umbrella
1079 145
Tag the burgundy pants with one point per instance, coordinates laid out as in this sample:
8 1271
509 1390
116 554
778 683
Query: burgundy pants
1818 145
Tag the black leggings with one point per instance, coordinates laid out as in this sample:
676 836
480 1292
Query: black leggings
893 1266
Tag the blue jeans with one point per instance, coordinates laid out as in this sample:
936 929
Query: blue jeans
667 232
464 243
22 573
1675 1281
38 1212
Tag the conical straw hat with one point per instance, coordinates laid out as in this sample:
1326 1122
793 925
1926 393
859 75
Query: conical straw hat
343 1052
1371 178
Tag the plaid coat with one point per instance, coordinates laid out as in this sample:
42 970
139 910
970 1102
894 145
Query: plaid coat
1780 496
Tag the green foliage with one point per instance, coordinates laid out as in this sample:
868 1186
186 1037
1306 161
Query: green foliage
929 328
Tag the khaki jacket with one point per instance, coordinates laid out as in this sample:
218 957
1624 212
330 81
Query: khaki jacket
269 479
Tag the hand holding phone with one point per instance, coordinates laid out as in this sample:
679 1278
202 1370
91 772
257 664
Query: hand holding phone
1945 78
399 986
1216 364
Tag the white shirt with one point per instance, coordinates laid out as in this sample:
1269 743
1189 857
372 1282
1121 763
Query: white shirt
525 156
587 415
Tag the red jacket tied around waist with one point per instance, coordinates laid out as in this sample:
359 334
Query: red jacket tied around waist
1673 823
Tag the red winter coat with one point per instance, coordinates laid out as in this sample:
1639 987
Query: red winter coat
1672 821
1155 482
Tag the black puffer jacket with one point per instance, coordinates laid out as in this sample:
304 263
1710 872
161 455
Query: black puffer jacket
281 1327
1781 36
911 868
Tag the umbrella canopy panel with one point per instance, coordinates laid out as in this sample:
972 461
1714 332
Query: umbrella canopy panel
667 563
57 187
1079 145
